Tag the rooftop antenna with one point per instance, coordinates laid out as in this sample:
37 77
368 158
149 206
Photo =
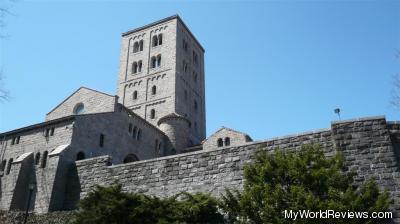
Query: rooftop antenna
337 111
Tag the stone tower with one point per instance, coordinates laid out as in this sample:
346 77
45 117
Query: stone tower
161 78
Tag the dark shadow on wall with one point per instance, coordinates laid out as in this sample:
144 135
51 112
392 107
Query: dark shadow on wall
21 192
73 189
395 138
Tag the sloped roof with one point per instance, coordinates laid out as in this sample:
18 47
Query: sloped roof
82 87
231 130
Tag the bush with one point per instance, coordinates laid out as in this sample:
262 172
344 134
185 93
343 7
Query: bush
110 205
303 180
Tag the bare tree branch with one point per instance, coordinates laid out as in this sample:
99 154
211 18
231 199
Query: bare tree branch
4 94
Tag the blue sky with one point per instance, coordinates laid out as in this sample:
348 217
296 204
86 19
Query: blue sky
272 67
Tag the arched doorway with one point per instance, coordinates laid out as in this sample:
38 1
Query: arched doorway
131 158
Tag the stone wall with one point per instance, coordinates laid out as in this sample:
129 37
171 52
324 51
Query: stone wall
366 145
49 218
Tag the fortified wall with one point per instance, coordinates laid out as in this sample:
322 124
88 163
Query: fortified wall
370 146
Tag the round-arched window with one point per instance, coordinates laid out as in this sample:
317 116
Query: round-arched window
79 108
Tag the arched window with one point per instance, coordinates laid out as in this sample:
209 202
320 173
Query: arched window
220 143
134 96
155 41
227 141
134 132
101 142
156 146
139 134
134 67
160 39
130 128
3 165
195 77
159 60
153 90
79 108
135 47
9 166
130 158
44 159
153 62
80 156
141 45
37 158
152 113
140 66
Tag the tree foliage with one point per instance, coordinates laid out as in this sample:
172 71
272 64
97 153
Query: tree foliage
110 205
303 180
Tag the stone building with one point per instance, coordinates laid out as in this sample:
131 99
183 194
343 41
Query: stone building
159 110
150 137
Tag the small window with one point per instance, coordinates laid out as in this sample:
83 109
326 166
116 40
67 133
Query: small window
134 132
227 141
17 139
3 165
80 156
195 77
139 69
220 143
44 159
37 158
101 143
141 45
186 95
152 113
13 141
185 45
156 146
195 58
52 131
79 108
185 66
47 132
158 60
130 158
130 128
139 134
155 41
135 47
134 95
153 90
10 161
160 39
134 68
195 105
153 62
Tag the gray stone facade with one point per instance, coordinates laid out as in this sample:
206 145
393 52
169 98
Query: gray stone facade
95 138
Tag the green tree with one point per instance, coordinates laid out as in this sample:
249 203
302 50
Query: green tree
110 205
296 181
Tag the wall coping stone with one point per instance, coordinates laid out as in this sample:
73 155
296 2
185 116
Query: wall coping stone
22 157
382 117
